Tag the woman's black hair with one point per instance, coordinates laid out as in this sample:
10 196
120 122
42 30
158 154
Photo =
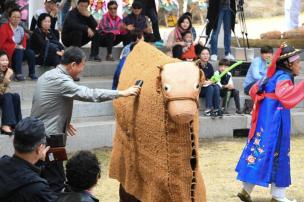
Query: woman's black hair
181 20
41 18
3 53
13 10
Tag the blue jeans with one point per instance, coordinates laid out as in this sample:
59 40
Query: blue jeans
225 18
212 94
50 57
11 109
19 55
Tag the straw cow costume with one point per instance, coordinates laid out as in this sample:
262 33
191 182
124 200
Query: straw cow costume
155 151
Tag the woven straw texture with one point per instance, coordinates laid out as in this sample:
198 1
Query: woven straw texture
151 154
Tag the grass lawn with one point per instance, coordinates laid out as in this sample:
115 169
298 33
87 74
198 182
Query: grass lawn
218 158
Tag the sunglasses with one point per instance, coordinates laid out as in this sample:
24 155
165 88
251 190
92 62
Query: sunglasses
113 8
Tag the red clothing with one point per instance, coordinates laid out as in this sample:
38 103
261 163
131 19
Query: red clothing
108 24
189 54
6 40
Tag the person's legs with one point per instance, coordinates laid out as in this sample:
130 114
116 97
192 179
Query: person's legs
30 57
151 13
127 39
209 91
149 37
278 193
8 111
17 107
216 96
215 33
236 96
227 29
126 197
17 63
177 51
247 88
76 38
95 44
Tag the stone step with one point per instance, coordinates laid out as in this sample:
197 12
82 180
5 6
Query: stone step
80 109
92 69
26 89
98 132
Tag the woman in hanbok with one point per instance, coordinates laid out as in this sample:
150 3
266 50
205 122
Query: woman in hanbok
265 159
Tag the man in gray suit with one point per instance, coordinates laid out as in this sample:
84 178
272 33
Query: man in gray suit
53 103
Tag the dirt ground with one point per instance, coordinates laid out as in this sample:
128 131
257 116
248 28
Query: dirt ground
218 158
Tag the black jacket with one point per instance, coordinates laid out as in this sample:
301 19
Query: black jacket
39 41
74 21
213 13
20 181
77 197
208 70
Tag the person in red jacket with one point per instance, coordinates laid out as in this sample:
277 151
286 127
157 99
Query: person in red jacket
13 41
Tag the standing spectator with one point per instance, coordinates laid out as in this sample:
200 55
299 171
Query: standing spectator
175 41
110 32
7 6
13 41
292 13
227 87
10 102
50 7
258 68
79 26
149 9
137 21
209 90
221 11
45 44
53 103
20 179
82 171
65 6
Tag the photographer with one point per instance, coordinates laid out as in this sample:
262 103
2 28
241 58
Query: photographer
19 177
53 103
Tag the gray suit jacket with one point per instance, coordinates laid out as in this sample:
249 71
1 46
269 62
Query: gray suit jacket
54 95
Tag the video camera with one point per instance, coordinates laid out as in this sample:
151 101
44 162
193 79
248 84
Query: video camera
57 151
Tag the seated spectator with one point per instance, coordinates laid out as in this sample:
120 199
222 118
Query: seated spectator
136 37
7 6
79 26
189 49
110 32
209 90
137 21
149 9
227 87
13 41
50 7
10 102
82 172
47 48
258 68
19 177
175 40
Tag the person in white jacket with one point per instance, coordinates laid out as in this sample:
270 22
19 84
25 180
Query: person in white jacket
292 13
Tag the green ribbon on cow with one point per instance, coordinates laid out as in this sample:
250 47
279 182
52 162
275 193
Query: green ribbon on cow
217 77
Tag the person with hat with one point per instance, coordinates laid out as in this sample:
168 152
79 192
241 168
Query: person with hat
19 177
265 159
50 7
53 104
137 21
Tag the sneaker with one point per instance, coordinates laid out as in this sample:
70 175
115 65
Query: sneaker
213 58
213 114
207 112
110 58
20 77
95 58
229 57
33 77
77 79
282 200
219 113
244 196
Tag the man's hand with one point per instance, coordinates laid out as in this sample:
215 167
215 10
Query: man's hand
54 12
71 130
134 90
229 86
90 33
148 30
60 53
130 27
45 150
